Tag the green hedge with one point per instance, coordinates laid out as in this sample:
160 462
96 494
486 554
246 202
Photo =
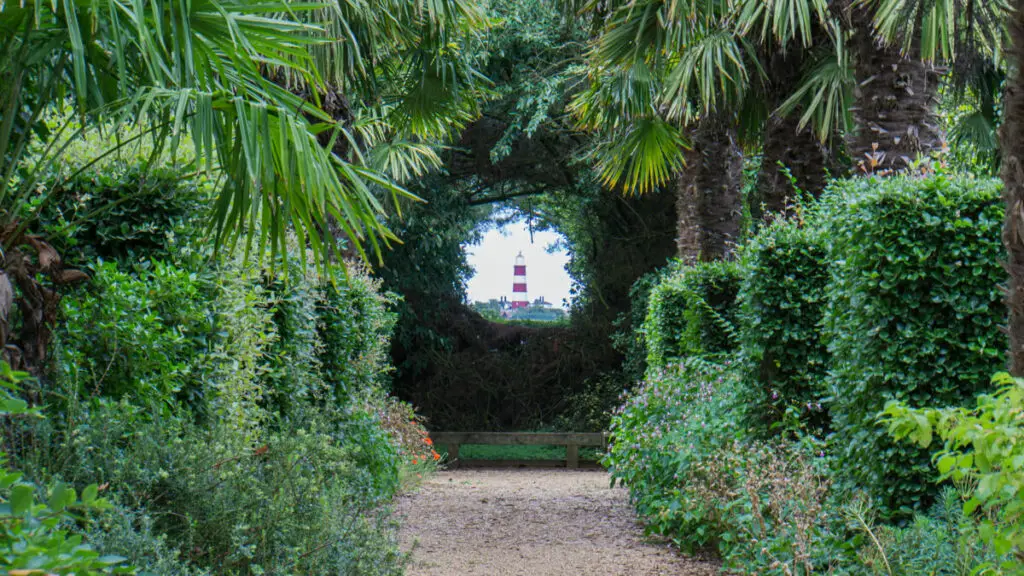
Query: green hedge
913 315
692 313
783 360
628 338
122 211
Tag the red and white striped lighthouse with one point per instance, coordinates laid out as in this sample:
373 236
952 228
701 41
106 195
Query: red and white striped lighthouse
519 299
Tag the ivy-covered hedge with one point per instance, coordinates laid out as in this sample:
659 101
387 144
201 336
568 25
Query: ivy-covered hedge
914 309
692 313
783 360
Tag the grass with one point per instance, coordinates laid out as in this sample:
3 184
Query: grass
512 452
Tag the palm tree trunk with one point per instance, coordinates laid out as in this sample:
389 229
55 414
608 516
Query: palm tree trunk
788 147
1013 193
709 195
895 104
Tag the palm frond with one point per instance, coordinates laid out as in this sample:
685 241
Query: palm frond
782 20
642 156
402 161
977 130
198 68
715 71
824 98
615 96
941 30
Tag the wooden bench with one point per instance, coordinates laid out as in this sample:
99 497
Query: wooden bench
571 440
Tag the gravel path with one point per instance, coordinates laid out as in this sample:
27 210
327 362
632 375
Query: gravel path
530 522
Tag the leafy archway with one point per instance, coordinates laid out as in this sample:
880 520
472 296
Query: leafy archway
465 371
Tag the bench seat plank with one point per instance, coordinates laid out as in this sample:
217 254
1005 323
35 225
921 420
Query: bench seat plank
521 438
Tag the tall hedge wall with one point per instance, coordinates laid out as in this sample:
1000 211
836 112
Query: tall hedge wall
913 314
692 313
783 359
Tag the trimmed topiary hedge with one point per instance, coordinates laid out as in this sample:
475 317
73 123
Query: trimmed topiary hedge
783 360
913 315
692 313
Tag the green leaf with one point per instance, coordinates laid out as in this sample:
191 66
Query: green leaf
89 494
21 499
61 496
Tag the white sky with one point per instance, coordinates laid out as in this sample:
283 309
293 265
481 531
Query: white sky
495 255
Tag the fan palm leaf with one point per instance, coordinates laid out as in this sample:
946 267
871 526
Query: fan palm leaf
197 67
943 29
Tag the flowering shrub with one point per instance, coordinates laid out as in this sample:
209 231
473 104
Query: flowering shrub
678 446
408 433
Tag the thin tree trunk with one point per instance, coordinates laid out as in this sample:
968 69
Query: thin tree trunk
1013 193
708 194
895 104
788 147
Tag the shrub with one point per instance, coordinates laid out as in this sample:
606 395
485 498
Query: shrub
692 313
34 534
945 541
781 299
913 315
628 338
293 376
295 499
355 325
132 534
34 538
123 211
140 334
275 465
678 444
983 449
675 420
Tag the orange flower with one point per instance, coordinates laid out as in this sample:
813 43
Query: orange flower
436 455
428 441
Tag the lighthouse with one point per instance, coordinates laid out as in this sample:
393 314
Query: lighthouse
519 298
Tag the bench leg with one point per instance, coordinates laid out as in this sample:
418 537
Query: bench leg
453 455
572 456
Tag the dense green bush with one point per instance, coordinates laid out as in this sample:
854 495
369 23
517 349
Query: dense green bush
945 541
671 422
692 312
696 476
122 210
913 315
140 333
240 504
629 339
354 323
781 300
888 290
35 521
